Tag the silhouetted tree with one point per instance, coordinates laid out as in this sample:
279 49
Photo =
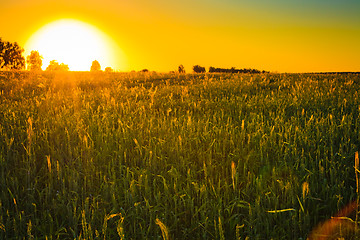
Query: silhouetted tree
55 66
109 69
34 61
198 69
212 69
181 69
95 66
11 56
145 70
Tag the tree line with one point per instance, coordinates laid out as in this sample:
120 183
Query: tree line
11 58
200 69
234 70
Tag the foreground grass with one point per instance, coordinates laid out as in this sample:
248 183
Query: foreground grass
158 156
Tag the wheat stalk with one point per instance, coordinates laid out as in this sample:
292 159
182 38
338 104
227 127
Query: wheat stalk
357 187
164 229
233 172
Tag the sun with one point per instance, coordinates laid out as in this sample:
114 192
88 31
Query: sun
76 44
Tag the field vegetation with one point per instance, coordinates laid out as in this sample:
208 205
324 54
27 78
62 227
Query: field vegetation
175 156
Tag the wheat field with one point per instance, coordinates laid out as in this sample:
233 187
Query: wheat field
176 156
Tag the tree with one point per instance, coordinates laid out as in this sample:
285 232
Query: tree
34 61
109 69
181 69
198 69
55 66
95 66
64 67
11 56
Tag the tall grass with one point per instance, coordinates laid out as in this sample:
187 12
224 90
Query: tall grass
168 156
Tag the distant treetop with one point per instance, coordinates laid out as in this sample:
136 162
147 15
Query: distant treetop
95 66
109 69
181 69
55 66
199 69
34 61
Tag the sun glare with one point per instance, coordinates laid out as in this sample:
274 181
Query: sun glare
76 44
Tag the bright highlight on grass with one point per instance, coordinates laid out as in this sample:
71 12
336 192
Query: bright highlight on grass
76 44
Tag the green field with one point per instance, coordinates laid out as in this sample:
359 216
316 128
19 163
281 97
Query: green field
175 156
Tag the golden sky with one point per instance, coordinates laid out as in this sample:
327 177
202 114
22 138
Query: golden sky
276 35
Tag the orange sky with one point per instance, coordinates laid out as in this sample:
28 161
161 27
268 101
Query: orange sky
277 35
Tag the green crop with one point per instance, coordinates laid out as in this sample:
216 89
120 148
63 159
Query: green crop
175 156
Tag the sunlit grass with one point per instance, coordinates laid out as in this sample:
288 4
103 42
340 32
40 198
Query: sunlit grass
146 155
